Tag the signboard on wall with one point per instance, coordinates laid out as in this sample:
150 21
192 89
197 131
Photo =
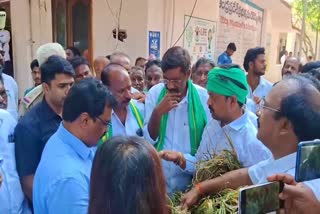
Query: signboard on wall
154 43
199 37
239 22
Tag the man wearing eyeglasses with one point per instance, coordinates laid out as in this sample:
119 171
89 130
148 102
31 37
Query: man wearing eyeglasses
128 115
11 87
233 128
288 115
12 197
176 114
62 179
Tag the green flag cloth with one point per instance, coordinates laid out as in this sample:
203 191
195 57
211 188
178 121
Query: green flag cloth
228 82
197 119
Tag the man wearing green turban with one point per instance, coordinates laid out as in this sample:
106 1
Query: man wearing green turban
233 128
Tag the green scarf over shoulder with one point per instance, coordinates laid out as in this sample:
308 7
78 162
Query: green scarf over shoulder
197 119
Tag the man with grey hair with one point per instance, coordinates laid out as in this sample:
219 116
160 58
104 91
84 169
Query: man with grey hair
121 59
35 96
291 66
12 198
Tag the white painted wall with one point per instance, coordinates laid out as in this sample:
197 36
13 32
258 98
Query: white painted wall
137 17
31 28
133 18
21 43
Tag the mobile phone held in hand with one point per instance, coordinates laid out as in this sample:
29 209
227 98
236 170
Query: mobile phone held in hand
308 161
261 198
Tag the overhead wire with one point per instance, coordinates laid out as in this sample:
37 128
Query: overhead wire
184 29
112 14
118 27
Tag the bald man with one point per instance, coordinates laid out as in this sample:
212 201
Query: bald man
99 64
121 59
127 116
291 66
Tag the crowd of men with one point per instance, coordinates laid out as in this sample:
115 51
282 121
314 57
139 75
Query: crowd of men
189 113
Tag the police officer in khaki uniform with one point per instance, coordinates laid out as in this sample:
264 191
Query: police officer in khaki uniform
36 94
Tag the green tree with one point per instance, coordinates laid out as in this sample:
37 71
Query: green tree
312 19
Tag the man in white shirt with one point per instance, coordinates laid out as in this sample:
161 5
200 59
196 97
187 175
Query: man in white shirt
12 199
124 60
176 114
255 65
232 128
127 117
11 87
287 116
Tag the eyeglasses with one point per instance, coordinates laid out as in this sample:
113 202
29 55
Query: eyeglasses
4 94
262 105
107 124
174 82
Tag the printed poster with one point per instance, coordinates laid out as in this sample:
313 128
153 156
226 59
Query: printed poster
154 43
200 38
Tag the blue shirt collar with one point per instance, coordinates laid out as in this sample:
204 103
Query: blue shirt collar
76 144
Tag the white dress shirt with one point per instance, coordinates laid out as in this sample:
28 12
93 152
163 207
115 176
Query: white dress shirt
261 91
258 173
242 134
12 199
131 125
177 134
11 86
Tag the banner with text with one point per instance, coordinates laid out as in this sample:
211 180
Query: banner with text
240 23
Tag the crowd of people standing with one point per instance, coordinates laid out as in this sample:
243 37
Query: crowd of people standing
116 138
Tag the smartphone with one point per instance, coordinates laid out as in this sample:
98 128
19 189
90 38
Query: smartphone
260 199
308 161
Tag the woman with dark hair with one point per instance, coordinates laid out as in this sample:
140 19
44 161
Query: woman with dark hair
72 52
127 177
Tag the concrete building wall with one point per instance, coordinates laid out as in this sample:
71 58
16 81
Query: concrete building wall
273 69
134 18
30 29
33 27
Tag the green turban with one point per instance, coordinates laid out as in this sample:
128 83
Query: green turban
228 82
